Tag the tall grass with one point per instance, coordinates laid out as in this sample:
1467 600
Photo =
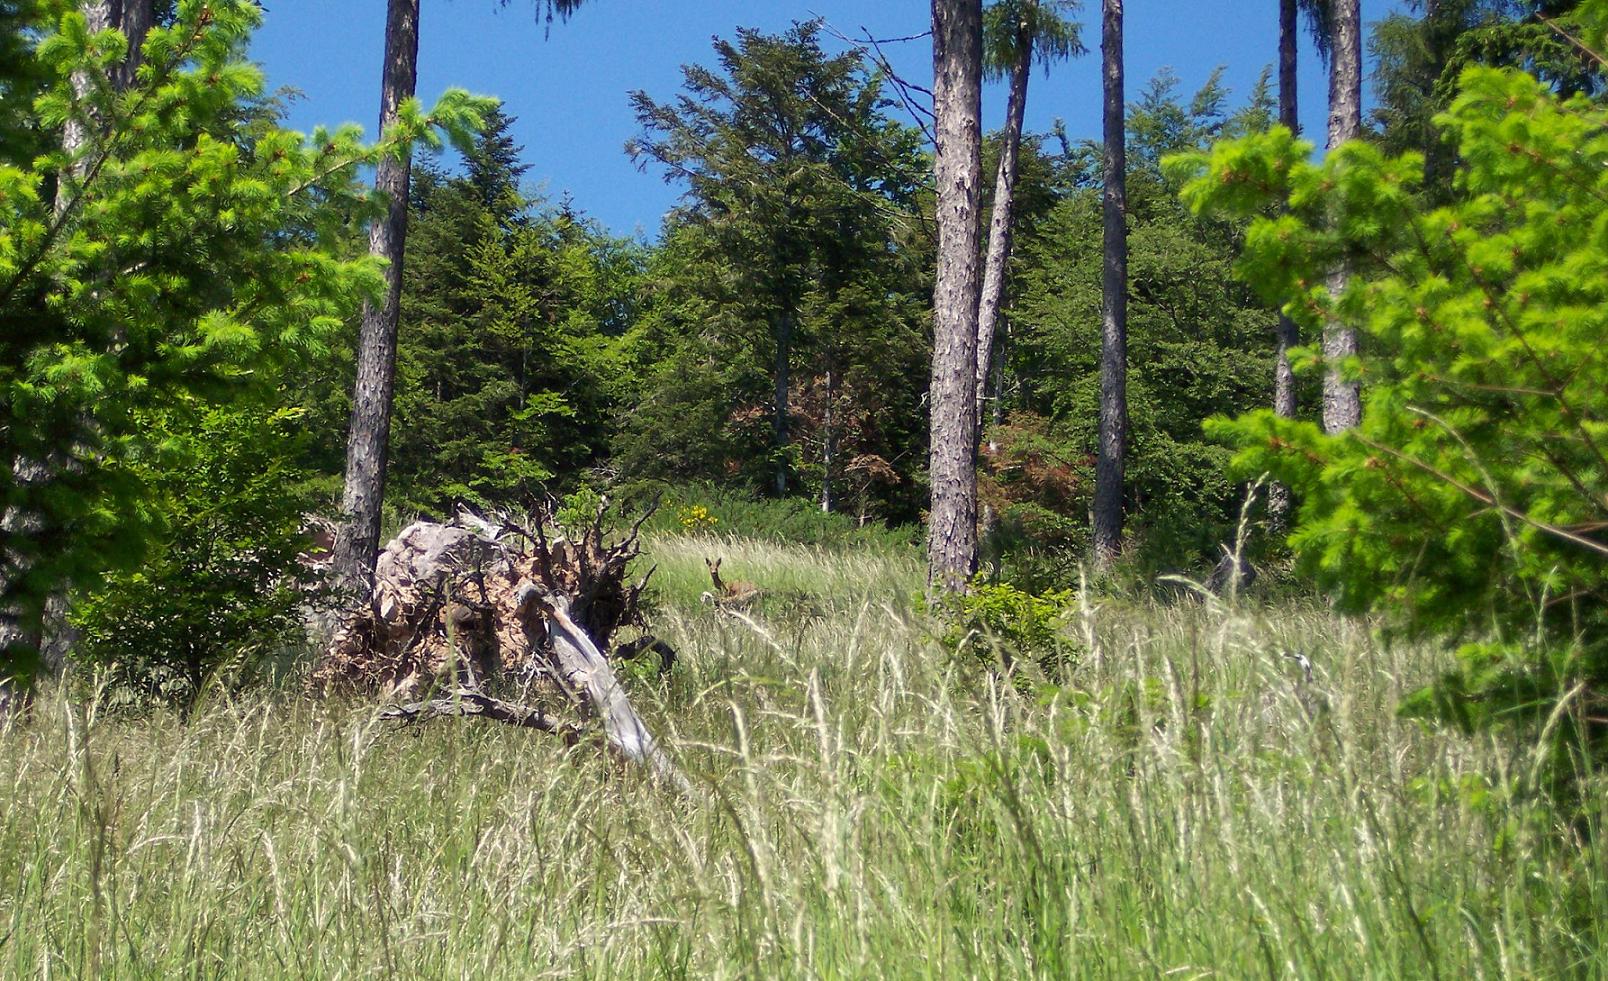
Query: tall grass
1183 804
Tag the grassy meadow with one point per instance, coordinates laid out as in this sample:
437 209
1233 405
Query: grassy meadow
1181 803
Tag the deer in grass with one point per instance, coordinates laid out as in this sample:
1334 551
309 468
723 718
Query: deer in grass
736 593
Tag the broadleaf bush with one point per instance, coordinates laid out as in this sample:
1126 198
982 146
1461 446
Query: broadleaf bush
1006 627
219 595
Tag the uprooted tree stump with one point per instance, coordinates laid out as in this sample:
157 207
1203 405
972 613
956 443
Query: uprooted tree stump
455 606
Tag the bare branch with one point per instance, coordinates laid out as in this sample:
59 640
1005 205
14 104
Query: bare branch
872 48
466 702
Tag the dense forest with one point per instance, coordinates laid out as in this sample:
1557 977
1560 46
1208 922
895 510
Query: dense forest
946 466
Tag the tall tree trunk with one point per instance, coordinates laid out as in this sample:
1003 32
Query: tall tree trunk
369 437
1278 501
134 20
784 358
1342 399
1000 220
1108 474
957 55
828 448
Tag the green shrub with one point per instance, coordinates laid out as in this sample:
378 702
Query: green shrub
1004 626
218 594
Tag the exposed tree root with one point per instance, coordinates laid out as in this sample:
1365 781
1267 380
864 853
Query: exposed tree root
457 606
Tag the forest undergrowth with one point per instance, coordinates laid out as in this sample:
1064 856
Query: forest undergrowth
1178 799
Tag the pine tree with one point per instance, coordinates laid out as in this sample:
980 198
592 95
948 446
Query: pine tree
1342 394
784 154
957 55
1466 504
1289 335
368 436
491 165
1420 53
512 314
1199 343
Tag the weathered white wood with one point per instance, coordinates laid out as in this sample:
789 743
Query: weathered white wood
585 673
459 602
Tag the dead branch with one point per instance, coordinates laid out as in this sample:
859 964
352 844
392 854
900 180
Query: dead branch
586 676
467 702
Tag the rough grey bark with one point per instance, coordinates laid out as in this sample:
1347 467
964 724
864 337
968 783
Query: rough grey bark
828 444
1000 225
134 20
99 15
779 435
957 55
22 619
1342 399
368 439
1278 499
1109 463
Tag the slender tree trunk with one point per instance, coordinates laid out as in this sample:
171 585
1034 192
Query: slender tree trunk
1278 501
1000 220
1342 399
99 15
957 54
1108 476
987 520
996 409
827 447
368 440
779 437
135 20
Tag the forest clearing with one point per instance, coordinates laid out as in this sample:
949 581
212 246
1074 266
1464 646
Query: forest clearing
864 803
1151 530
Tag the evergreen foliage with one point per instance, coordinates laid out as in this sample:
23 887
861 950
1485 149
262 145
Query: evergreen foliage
188 250
21 79
1054 35
1469 503
179 284
1419 59
785 332
508 356
1198 344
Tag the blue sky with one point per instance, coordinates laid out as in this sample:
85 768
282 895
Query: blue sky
568 84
